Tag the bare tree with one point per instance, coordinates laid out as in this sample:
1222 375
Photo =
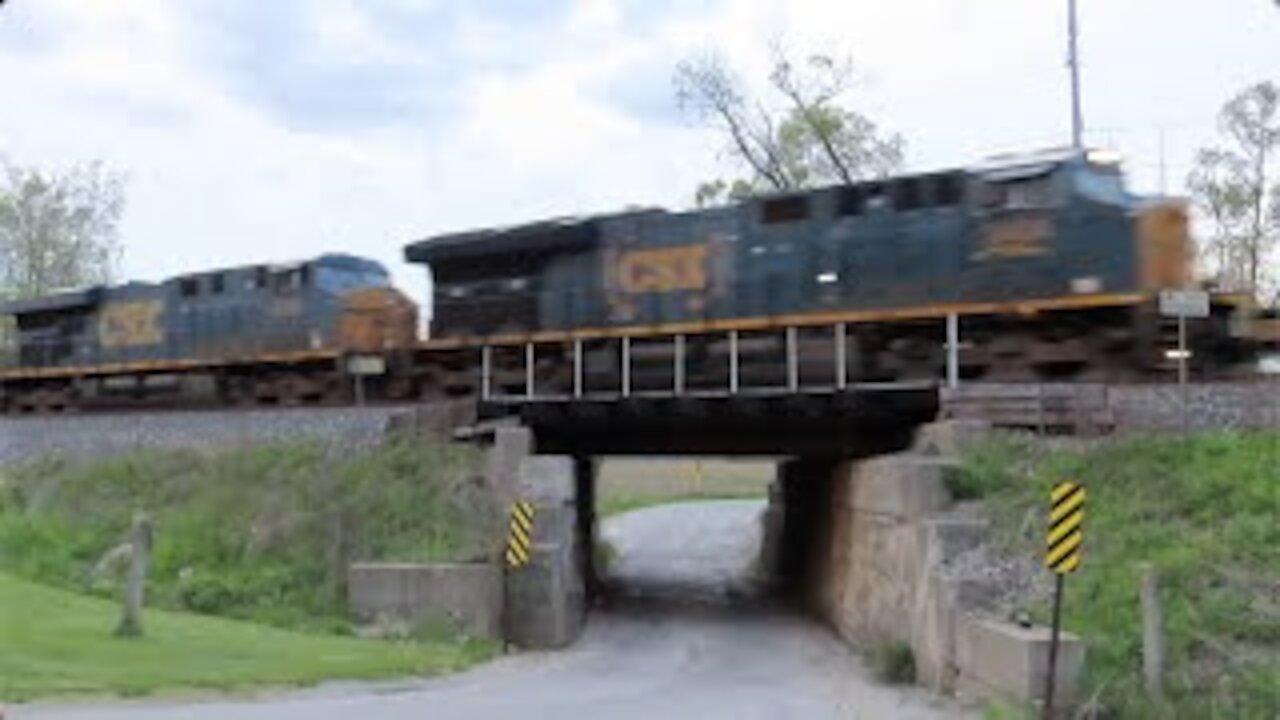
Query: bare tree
57 230
807 137
707 88
1235 185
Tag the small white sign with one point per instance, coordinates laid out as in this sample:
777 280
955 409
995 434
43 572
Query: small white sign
1184 303
366 365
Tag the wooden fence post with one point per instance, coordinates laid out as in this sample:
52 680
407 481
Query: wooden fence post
1152 634
135 585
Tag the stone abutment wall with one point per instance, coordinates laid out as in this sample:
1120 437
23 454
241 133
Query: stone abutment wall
872 546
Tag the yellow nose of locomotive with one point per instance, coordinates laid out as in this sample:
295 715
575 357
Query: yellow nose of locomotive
376 319
1165 253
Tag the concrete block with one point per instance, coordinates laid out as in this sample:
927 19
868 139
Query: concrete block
934 634
546 599
467 596
511 445
547 480
950 438
946 538
906 487
942 604
1001 660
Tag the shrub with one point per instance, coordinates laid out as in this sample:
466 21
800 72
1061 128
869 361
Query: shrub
894 662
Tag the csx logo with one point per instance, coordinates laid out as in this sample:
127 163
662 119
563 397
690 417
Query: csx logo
1017 238
661 270
126 324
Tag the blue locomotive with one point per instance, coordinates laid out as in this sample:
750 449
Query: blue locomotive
220 322
1051 262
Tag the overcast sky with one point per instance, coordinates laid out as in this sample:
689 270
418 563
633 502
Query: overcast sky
254 131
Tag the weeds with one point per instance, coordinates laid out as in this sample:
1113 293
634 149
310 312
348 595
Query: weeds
893 662
262 533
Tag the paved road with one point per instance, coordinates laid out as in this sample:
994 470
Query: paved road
699 550
642 661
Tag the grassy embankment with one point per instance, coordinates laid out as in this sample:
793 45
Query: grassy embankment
261 534
631 484
57 643
1205 513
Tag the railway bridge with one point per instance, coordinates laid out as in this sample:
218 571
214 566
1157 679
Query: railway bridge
856 522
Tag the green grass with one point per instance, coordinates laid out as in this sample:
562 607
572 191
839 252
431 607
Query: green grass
625 485
1205 512
262 533
56 643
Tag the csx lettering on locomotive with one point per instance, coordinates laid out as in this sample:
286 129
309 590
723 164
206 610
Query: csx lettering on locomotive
664 269
130 324
1015 238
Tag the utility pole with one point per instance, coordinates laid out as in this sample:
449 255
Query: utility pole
1073 62
1164 185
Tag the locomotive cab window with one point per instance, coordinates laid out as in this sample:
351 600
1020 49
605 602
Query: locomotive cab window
1101 184
1023 193
339 280
189 287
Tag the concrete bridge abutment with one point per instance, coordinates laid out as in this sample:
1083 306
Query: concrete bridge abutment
870 547
544 602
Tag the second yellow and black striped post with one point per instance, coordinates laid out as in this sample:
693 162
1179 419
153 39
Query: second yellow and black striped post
1064 544
1065 541
520 534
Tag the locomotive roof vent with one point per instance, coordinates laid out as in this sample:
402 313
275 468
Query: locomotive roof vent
784 209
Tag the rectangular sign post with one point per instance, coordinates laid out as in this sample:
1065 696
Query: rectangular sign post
519 551
361 366
953 351
1063 548
1184 304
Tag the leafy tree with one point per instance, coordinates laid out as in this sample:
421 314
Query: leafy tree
1236 185
57 230
808 136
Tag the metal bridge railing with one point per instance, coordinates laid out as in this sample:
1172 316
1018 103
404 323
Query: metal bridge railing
679 373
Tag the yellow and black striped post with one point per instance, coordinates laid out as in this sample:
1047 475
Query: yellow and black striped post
1066 531
520 536
1064 545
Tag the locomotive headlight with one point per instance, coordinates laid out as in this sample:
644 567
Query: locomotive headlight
1104 157
827 278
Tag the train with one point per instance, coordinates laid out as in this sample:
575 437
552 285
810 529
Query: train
242 335
1048 266
1053 265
